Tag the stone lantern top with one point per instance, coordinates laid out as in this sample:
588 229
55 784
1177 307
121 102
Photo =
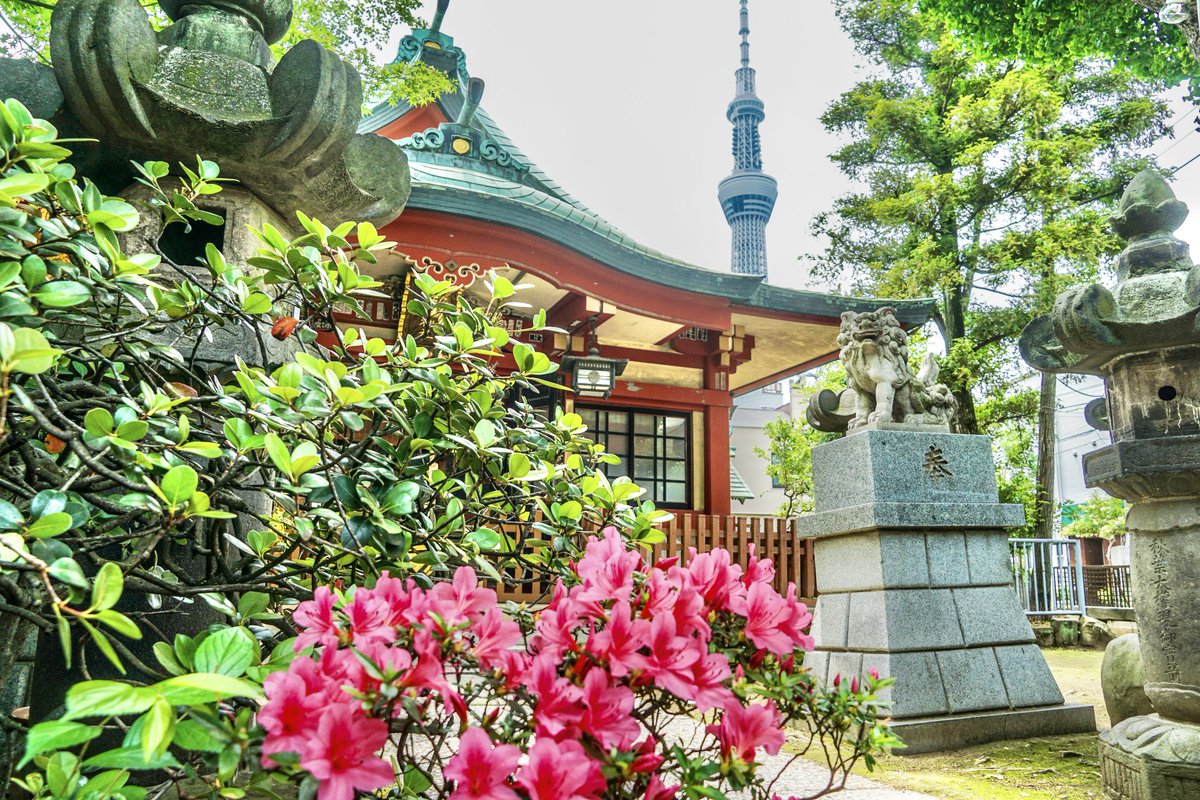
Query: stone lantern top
1154 304
208 86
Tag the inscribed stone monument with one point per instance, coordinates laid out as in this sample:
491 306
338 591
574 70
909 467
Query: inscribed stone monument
914 576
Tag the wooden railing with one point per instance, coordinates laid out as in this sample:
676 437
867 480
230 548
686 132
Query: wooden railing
1108 586
772 537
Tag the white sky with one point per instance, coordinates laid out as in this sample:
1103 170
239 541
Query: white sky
623 103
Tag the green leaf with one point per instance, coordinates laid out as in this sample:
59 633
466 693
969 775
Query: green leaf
30 351
178 485
256 303
252 603
130 758
157 729
69 572
105 646
109 584
205 687
62 294
106 699
50 525
24 184
226 652
99 422
119 623
278 452
484 539
56 734
133 430
10 517
485 432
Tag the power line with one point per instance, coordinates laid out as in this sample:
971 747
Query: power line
1178 142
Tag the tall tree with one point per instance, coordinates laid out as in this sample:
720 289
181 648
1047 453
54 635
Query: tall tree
985 186
358 30
1129 32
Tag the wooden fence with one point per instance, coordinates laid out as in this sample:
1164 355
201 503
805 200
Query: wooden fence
772 537
1108 586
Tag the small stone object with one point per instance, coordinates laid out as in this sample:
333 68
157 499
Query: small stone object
1096 633
882 389
1123 679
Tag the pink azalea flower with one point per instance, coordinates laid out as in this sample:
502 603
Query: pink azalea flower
461 599
368 617
315 620
690 614
671 657
708 682
715 577
429 671
493 636
290 713
559 702
405 601
341 753
798 621
766 613
743 729
657 791
556 626
607 568
608 712
480 769
619 641
760 570
560 771
661 592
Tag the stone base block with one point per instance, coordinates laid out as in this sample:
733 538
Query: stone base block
934 734
1149 758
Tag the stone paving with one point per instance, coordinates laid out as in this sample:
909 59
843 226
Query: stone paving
804 777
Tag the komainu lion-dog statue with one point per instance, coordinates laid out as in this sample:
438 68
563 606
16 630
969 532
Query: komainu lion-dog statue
881 384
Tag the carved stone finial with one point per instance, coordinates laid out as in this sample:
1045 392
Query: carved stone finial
882 387
1154 304
1148 206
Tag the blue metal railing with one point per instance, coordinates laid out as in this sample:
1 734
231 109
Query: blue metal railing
1048 576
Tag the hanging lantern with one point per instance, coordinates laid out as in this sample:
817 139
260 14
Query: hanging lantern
593 375
1174 13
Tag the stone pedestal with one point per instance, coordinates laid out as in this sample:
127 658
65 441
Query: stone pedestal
914 576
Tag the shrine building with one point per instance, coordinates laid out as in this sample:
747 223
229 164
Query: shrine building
654 348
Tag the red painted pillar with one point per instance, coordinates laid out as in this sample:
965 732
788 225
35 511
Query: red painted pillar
716 444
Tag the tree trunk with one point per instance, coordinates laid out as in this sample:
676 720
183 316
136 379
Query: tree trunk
1045 500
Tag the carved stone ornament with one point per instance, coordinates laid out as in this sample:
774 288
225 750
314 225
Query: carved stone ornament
208 85
882 389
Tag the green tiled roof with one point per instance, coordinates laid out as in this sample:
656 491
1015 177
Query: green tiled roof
528 199
738 490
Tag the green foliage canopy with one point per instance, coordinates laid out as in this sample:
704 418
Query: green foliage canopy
985 186
1059 32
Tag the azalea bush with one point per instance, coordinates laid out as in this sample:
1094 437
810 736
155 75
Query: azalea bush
185 472
604 693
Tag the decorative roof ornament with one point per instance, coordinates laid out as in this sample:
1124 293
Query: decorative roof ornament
208 85
454 141
748 194
435 48
1155 304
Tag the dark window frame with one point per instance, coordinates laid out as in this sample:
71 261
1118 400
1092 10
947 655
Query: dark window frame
629 458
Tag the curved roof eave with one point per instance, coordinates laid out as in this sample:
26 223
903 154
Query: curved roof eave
537 215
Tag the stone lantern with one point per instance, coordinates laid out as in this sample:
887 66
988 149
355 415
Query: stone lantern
1143 339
